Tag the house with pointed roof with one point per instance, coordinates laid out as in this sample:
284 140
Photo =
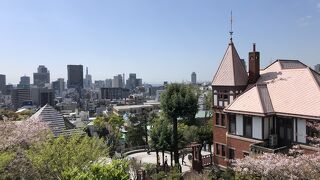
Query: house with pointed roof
266 110
57 124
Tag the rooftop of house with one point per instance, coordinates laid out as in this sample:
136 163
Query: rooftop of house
128 107
231 71
54 120
286 87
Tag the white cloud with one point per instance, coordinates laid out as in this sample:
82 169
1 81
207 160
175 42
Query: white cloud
304 21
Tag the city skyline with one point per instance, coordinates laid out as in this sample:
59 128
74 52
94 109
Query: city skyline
150 38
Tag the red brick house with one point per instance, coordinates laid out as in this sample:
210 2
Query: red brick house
262 110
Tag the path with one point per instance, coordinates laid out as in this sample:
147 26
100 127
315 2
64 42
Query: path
144 157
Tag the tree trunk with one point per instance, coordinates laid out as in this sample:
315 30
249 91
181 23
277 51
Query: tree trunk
157 154
146 133
162 157
171 158
175 141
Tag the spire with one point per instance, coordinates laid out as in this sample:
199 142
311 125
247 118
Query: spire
231 71
231 32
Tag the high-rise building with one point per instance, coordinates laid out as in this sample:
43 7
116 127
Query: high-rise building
114 93
42 96
193 78
133 82
108 83
88 80
41 77
99 84
19 96
58 86
317 68
24 82
117 81
2 83
138 82
9 88
75 76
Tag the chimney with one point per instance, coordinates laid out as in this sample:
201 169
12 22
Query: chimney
254 65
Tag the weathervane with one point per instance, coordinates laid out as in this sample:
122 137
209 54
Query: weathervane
231 32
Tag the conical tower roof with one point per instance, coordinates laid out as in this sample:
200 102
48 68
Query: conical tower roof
231 71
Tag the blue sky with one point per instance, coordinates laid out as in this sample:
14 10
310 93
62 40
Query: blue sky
157 39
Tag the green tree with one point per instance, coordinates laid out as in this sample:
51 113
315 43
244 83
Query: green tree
135 131
179 101
205 134
161 136
208 104
116 170
52 157
109 129
100 125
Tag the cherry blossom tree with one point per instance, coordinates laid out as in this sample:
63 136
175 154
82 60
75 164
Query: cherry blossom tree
294 165
16 133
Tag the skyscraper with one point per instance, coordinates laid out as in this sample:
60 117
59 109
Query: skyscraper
193 78
88 80
108 83
58 86
75 76
317 68
24 81
20 96
41 77
133 82
2 83
117 81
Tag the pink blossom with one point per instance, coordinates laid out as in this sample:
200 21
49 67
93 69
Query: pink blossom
15 133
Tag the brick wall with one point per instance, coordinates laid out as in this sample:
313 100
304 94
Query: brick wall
239 146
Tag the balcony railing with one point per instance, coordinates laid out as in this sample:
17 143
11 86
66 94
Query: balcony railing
263 147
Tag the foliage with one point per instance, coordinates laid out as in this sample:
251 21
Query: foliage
208 104
115 121
149 168
173 174
136 131
100 125
179 101
116 170
11 115
201 134
161 135
52 157
109 129
204 133
192 175
5 158
24 115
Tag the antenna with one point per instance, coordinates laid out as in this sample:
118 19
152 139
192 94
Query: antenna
231 32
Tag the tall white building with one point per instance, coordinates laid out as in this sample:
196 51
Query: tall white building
117 81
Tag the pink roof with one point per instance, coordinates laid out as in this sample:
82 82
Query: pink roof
286 87
231 71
